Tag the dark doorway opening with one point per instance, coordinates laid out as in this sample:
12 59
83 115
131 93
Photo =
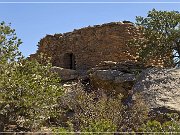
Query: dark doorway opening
69 61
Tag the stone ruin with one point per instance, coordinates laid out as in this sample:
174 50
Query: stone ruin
85 48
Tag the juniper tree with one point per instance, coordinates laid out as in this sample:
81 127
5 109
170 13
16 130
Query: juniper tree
160 36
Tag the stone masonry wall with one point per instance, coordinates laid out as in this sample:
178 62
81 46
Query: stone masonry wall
89 46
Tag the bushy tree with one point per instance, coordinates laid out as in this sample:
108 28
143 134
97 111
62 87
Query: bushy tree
160 37
28 90
9 44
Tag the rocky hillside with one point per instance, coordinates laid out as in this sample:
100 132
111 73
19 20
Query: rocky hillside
159 88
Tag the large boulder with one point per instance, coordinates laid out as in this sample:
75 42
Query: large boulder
160 89
65 74
112 81
114 77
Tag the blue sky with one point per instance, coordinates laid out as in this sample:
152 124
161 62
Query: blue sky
33 21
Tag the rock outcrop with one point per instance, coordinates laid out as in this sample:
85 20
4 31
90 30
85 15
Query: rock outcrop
114 77
65 74
160 89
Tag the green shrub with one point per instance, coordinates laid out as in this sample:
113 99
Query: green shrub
60 131
169 126
134 116
103 126
28 90
86 107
